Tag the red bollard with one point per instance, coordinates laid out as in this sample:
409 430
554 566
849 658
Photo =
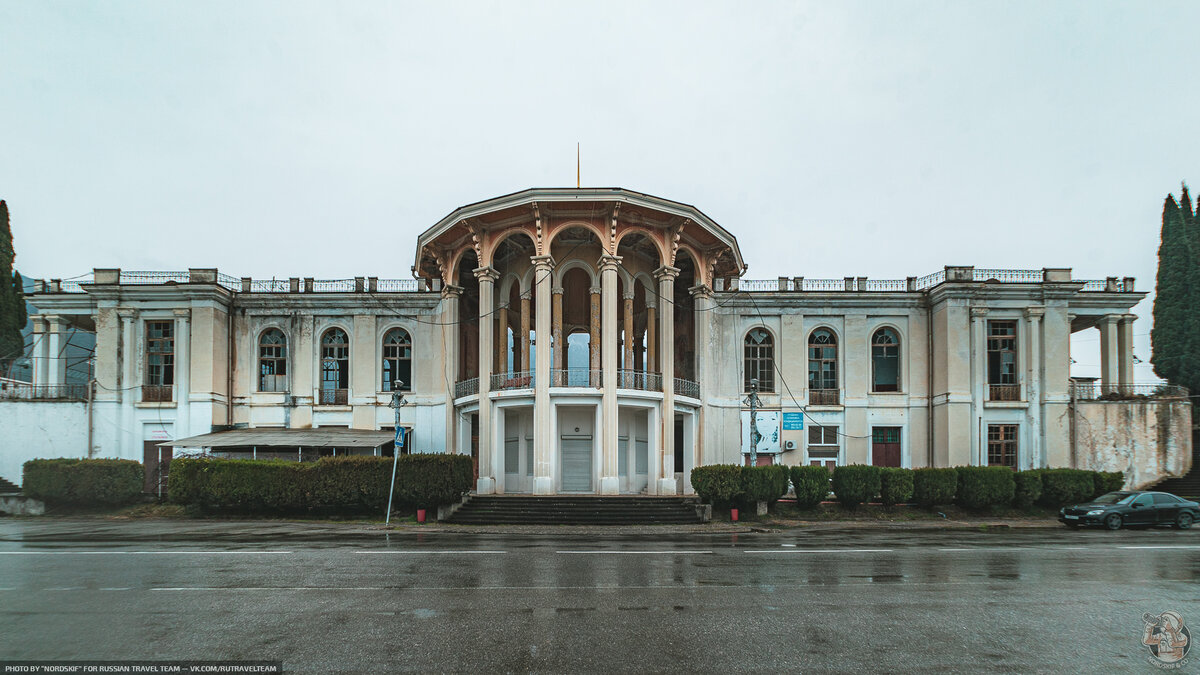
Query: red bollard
733 515
420 515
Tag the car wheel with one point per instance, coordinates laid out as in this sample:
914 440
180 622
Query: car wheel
1184 521
1113 521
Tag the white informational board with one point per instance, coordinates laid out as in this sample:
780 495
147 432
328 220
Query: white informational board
768 429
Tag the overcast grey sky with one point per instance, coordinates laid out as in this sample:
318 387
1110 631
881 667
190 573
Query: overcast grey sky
882 139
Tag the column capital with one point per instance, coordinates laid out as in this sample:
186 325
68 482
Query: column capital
1035 312
627 295
543 262
609 261
127 313
557 290
666 272
651 302
184 313
700 291
1130 318
487 273
595 290
39 322
55 322
1109 319
451 291
979 312
526 295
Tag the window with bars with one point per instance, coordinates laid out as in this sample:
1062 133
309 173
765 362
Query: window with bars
885 361
1002 445
1002 361
760 359
335 367
272 360
397 359
160 353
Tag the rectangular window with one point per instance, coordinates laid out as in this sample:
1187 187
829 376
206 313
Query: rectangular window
823 443
1002 445
160 360
1002 361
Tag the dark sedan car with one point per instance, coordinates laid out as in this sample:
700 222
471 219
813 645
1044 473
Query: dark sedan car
1117 509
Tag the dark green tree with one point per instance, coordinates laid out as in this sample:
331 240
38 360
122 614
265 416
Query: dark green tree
12 299
1175 340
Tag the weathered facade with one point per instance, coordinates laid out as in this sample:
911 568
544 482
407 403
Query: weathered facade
603 340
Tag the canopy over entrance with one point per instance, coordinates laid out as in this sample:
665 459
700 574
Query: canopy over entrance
287 438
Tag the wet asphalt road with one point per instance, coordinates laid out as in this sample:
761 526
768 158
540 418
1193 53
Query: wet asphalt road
320 601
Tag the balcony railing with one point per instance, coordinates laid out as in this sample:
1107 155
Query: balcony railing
687 388
466 387
521 379
20 391
1004 392
576 377
639 380
824 396
157 393
1095 391
334 397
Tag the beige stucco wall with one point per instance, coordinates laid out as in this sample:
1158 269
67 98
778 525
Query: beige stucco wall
1148 440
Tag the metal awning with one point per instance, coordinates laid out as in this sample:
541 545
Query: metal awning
328 437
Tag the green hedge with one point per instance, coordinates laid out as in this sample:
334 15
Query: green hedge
764 483
347 484
84 482
719 484
981 487
1107 481
1066 486
933 487
854 484
895 486
811 484
1027 488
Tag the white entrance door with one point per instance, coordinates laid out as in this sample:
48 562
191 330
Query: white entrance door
576 463
512 464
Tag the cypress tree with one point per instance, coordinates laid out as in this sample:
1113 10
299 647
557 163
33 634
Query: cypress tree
12 299
1174 338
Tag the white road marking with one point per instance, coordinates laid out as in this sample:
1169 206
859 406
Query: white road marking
603 552
1164 546
406 552
988 549
828 550
140 552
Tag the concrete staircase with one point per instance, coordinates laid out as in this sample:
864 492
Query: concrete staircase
577 510
8 488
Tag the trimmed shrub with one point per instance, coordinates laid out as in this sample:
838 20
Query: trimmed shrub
932 487
855 483
764 483
1066 486
84 482
429 480
719 484
981 487
1107 481
1027 488
811 484
895 485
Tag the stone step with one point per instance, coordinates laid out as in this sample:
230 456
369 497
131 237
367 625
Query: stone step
576 510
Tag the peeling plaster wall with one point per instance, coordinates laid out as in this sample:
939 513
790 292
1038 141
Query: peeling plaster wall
40 430
1148 440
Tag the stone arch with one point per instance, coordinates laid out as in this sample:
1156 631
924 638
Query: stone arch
492 243
655 237
596 230
560 271
698 259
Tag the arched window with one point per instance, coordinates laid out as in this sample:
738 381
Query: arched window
760 360
885 360
822 368
397 359
272 360
335 367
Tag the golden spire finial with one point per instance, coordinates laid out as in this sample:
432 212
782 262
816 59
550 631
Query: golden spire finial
577 164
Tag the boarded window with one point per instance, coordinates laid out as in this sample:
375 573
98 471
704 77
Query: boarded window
885 360
272 361
760 360
397 359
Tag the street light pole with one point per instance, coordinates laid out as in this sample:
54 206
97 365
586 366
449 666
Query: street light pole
397 444
753 401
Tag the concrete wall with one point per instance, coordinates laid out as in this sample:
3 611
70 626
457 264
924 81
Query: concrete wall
1148 440
39 430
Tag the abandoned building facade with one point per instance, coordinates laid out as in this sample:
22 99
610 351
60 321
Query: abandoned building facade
604 341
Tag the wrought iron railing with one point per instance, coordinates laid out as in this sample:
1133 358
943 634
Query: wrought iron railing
639 380
687 388
886 285
929 280
824 284
149 277
334 397
42 392
824 396
1092 284
576 377
270 286
397 285
521 379
1008 276
466 387
157 393
230 282
333 286
1096 391
1004 392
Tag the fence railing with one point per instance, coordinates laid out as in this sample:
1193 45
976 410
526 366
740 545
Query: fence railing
269 286
521 379
1096 391
1004 392
150 277
397 285
687 388
576 377
1008 276
157 393
824 396
639 380
929 281
42 392
466 387
334 397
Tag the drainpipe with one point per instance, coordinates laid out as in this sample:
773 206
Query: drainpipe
230 361
929 379
91 385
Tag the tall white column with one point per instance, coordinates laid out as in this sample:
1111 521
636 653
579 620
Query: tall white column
610 482
450 329
980 390
543 440
666 354
489 473
183 372
56 371
1125 349
1034 379
41 351
1109 357
703 305
130 386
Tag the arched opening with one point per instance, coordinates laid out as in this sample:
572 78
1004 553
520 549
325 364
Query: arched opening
397 361
272 360
576 309
759 348
468 317
335 367
685 318
511 260
577 327
822 368
885 360
639 260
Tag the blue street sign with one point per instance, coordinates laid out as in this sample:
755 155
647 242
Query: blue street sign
793 421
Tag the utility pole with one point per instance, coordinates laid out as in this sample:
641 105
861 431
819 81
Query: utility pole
753 401
397 402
